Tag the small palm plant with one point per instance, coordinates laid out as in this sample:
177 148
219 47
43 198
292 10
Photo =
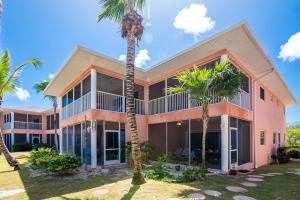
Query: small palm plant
39 88
9 80
124 12
204 84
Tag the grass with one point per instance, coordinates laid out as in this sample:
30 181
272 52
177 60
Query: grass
284 186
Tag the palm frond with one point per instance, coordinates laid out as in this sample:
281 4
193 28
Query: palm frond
115 9
41 86
9 79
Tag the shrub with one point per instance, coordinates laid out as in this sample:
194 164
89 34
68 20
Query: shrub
293 153
40 145
190 174
64 163
158 171
282 155
40 158
51 160
22 146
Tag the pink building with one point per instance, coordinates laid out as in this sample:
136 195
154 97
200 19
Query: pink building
243 131
28 124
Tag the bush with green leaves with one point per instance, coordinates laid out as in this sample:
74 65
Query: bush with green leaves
159 170
293 153
51 160
40 158
22 146
40 145
282 155
63 163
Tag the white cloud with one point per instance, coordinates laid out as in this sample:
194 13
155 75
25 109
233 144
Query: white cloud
193 20
51 76
141 58
291 50
22 94
122 57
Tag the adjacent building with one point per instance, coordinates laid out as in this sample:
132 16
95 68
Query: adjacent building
28 124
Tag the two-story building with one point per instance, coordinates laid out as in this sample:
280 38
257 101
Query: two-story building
241 130
28 124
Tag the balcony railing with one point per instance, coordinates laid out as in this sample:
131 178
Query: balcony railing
117 103
28 125
77 106
182 100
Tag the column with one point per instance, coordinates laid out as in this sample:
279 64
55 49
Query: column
93 143
60 141
12 140
93 89
224 143
12 124
146 99
166 95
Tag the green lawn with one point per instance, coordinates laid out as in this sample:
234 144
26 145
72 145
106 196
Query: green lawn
284 186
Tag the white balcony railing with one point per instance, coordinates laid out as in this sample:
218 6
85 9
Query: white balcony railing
181 101
28 125
117 103
77 106
111 102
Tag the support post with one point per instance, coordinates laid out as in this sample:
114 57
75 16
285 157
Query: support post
93 89
224 143
93 143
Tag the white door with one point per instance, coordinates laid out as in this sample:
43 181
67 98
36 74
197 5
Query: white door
111 147
233 147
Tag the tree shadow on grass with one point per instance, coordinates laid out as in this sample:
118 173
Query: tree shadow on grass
45 187
131 192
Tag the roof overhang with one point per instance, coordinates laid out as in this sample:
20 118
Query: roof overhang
238 40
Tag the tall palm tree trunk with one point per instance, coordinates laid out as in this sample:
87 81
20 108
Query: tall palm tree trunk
9 158
136 150
55 124
205 119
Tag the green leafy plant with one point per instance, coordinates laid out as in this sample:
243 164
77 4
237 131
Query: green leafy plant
159 170
293 153
40 157
63 164
190 174
40 145
51 160
282 155
22 146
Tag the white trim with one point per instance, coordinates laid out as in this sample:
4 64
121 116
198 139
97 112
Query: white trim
236 164
112 162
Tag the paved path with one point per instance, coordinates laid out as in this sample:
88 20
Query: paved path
7 193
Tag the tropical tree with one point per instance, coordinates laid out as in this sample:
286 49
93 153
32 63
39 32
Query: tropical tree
124 12
293 135
204 84
40 87
9 81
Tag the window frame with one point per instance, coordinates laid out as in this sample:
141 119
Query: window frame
262 133
261 89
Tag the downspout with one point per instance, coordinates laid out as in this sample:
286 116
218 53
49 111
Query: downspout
254 113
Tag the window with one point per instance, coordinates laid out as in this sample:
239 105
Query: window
262 93
262 137
278 138
274 138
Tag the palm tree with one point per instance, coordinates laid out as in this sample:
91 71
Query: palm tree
124 12
204 84
40 87
9 80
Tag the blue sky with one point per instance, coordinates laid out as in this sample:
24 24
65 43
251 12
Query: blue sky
50 30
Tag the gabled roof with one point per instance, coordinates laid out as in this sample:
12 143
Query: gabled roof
238 39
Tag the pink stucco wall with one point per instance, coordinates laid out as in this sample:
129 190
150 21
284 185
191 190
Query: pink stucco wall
270 117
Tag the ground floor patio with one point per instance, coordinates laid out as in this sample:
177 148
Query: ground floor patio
103 143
